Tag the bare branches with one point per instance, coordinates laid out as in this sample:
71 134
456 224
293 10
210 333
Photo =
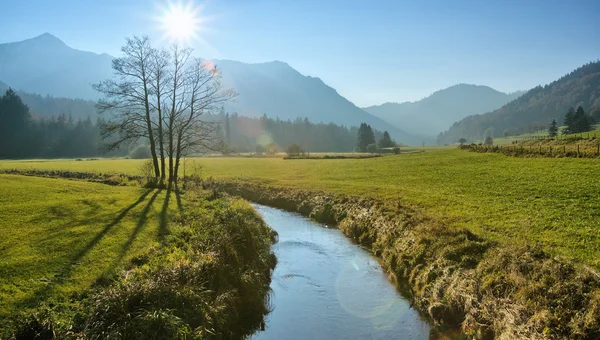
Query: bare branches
161 95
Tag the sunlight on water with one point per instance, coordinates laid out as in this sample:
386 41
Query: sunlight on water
325 287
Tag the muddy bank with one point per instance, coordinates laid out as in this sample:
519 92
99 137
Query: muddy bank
455 277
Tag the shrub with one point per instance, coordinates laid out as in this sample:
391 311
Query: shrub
295 150
272 149
140 152
488 140
396 150
372 148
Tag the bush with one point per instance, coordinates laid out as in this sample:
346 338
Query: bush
272 149
372 148
140 152
396 150
489 141
295 150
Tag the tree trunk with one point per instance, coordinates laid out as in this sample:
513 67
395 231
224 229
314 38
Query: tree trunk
171 149
161 143
150 133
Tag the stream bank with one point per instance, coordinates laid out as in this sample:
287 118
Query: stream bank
455 278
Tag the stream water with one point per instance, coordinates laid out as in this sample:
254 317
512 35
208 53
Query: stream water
326 287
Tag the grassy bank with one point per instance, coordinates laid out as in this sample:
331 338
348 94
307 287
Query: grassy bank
87 259
457 278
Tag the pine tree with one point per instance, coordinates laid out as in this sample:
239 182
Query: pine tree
370 135
582 120
569 122
386 141
227 130
14 123
553 129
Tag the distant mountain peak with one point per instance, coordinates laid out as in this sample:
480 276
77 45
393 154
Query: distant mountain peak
48 39
42 41
436 112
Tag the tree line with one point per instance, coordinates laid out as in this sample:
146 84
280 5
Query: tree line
25 135
263 134
60 136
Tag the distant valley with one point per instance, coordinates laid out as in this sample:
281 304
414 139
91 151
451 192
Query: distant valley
437 112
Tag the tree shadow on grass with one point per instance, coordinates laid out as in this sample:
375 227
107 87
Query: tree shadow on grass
63 274
138 228
178 197
163 230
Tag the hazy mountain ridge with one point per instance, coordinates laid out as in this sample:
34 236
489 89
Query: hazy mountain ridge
536 108
435 113
278 90
46 65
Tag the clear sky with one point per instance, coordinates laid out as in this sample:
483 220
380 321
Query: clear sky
370 51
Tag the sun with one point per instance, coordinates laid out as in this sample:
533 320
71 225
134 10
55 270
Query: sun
181 22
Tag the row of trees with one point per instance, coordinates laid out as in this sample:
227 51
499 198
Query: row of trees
22 136
366 140
575 122
264 134
162 96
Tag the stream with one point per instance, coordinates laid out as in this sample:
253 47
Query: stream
326 287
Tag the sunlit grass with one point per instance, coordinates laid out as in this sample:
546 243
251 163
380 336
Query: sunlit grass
58 237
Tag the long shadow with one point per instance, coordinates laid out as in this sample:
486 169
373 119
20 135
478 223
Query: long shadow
138 228
178 197
66 271
163 230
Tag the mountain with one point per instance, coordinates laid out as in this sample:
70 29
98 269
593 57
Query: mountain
46 65
278 90
536 108
435 113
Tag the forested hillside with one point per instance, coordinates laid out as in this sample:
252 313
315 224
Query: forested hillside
48 106
535 109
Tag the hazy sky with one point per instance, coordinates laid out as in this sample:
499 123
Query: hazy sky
370 51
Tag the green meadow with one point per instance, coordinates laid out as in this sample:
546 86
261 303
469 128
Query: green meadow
59 237
550 202
89 260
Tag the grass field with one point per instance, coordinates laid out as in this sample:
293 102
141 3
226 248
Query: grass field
89 260
59 237
552 202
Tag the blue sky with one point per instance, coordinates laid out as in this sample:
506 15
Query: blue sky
370 51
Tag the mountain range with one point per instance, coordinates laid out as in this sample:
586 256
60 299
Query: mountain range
46 65
437 112
535 109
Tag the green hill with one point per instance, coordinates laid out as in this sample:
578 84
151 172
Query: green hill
535 109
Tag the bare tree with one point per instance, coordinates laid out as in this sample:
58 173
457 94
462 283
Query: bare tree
195 89
127 98
159 85
162 95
